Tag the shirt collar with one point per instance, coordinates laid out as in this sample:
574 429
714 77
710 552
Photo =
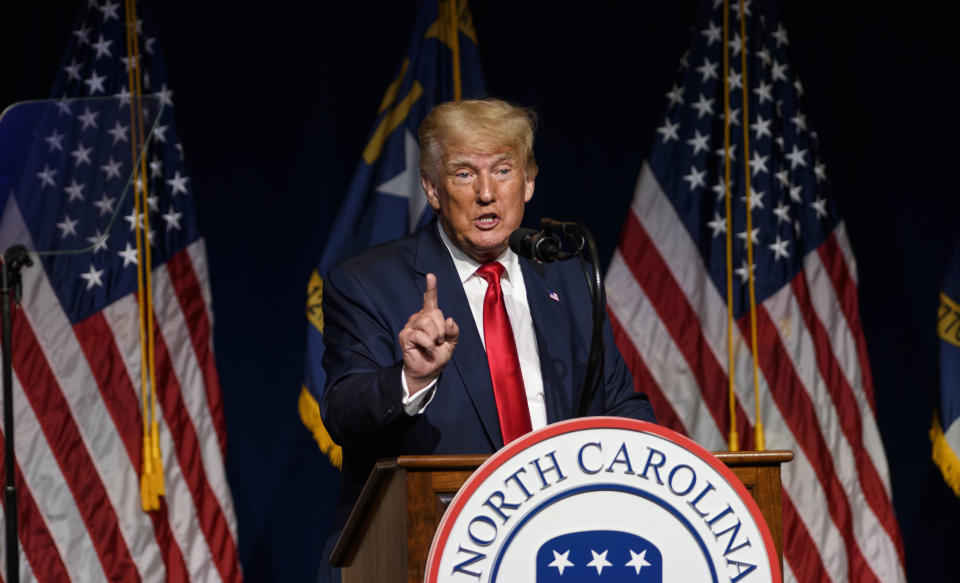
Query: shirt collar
467 266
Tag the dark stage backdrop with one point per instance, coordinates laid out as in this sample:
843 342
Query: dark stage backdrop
274 102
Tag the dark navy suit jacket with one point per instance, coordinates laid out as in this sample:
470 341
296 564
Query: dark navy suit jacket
366 302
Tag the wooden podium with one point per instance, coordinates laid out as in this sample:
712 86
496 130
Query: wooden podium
388 535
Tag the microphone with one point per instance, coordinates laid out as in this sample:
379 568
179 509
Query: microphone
537 245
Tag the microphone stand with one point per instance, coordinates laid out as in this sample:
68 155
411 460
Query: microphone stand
582 237
14 259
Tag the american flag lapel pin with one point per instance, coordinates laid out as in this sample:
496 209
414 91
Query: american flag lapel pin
553 296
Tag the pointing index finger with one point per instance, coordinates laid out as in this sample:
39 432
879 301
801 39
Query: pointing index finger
430 295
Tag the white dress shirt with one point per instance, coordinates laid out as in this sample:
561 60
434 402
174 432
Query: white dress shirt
518 310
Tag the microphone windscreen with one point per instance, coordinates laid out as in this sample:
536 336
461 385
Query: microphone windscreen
520 241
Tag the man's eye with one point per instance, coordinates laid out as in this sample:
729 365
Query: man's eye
463 175
503 171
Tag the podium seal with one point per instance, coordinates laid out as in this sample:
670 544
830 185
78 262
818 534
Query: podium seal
603 499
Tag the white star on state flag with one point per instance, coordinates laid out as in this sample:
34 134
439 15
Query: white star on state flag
599 561
560 561
407 183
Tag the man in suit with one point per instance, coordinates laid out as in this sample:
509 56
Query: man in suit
445 341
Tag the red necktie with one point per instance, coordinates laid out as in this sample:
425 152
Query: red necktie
502 356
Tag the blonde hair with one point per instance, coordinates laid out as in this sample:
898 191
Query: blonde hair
491 120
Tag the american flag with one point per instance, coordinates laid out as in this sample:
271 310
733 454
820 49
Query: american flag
667 294
76 342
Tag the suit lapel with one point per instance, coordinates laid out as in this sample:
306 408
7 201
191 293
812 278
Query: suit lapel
551 325
469 358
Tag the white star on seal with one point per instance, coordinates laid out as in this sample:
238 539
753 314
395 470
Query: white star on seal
560 561
638 560
599 561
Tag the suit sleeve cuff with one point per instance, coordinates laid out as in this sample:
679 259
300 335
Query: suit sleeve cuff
417 403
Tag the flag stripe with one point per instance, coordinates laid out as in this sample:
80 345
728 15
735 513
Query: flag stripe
176 568
800 551
122 316
119 397
194 309
46 564
846 290
176 326
800 416
844 403
46 398
648 337
845 351
44 479
799 344
643 380
186 443
98 342
650 271
93 417
198 258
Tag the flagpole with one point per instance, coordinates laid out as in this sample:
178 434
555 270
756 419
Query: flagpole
759 442
455 48
733 439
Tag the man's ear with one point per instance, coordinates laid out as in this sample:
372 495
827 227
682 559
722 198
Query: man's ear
528 188
430 189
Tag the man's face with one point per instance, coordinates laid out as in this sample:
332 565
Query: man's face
479 196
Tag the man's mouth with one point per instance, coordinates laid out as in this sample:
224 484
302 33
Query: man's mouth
488 221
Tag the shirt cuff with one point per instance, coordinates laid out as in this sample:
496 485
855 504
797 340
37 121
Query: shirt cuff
417 403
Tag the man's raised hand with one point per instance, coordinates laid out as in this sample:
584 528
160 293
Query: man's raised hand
427 341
